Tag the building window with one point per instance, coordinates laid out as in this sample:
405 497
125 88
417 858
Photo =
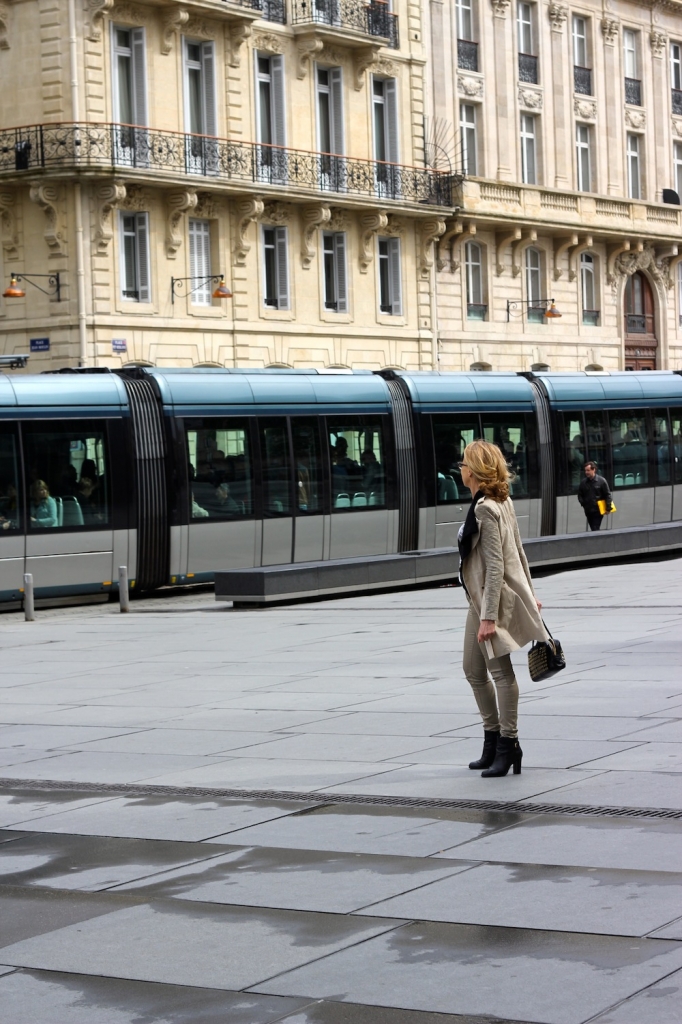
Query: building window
130 79
633 85
134 230
528 151
676 77
467 49
200 104
200 262
330 110
390 277
335 274
271 118
582 73
588 290
467 131
633 157
476 306
536 312
679 293
677 162
386 148
276 268
583 157
528 62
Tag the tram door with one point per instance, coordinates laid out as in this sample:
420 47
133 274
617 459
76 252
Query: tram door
311 529
11 515
277 481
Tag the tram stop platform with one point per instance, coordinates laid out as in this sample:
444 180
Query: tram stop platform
212 815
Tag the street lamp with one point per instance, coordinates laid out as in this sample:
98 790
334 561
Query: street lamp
14 291
515 309
221 291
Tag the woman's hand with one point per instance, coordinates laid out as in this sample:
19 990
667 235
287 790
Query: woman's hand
486 630
539 604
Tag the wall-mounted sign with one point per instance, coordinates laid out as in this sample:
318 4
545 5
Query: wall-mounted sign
40 344
119 345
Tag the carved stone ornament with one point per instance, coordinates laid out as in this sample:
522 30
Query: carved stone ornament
47 197
4 27
677 128
429 232
207 206
266 42
557 16
363 60
530 98
468 86
236 34
339 220
8 226
247 211
308 49
312 218
586 110
609 28
333 57
132 14
174 21
635 118
177 203
394 227
135 198
276 213
659 43
628 263
370 224
500 8
107 196
97 9
200 29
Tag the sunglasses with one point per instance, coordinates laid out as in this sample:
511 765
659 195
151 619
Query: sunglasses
462 465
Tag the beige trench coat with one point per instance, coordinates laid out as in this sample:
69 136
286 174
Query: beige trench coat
497 578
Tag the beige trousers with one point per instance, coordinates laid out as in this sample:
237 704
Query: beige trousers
503 695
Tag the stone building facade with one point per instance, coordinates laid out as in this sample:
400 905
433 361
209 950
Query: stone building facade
568 120
148 149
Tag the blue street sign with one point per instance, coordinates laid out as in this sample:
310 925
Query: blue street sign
40 344
119 345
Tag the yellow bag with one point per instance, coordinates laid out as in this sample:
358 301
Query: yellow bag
601 505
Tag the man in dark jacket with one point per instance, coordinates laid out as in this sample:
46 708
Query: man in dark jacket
593 488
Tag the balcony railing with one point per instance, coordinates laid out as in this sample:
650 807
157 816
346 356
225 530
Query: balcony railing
677 101
467 55
108 147
639 323
633 92
528 68
372 19
582 80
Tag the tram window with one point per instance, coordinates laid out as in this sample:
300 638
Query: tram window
308 466
574 447
676 440
67 480
451 435
219 467
629 448
10 490
662 451
274 447
357 454
515 437
596 441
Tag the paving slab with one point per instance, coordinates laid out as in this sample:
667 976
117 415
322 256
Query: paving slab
658 1004
499 971
22 805
622 789
93 766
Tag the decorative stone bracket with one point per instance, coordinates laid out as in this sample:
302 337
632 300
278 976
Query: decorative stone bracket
612 254
4 27
177 203
363 61
107 197
502 243
609 27
561 246
308 47
247 211
8 226
47 197
174 21
97 9
557 16
574 253
659 43
456 234
668 260
519 248
370 224
500 8
429 233
312 218
236 34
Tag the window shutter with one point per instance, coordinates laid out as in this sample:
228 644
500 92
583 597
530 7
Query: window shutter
139 77
395 276
208 83
336 104
341 276
282 258
200 261
128 240
391 101
142 233
277 100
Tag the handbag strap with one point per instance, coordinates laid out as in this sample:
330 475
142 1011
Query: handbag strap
547 628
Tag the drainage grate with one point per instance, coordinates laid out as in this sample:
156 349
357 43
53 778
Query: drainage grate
328 799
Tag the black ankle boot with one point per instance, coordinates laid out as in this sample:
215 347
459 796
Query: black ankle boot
489 747
508 753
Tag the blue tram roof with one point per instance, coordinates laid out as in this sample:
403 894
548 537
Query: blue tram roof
616 390
439 392
75 392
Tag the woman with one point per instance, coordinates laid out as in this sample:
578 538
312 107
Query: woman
504 613
43 507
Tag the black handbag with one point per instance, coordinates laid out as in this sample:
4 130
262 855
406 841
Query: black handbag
545 658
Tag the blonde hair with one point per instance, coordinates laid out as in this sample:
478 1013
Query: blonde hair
487 463
36 487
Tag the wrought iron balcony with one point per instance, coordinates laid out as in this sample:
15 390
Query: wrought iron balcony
273 10
639 323
371 19
121 148
582 80
677 101
633 92
467 55
528 68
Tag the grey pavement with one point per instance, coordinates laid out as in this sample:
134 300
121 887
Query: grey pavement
188 832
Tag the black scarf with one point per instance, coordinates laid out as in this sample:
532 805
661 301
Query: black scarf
470 528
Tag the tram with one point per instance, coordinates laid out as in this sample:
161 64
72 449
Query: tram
180 473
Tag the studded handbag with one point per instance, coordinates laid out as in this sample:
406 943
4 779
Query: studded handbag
545 658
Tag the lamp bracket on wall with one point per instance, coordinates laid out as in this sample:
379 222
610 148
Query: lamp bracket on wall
180 283
53 285
521 307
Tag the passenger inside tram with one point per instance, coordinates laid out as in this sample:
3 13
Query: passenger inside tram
43 508
9 507
358 478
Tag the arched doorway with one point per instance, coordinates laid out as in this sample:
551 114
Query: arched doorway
640 327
